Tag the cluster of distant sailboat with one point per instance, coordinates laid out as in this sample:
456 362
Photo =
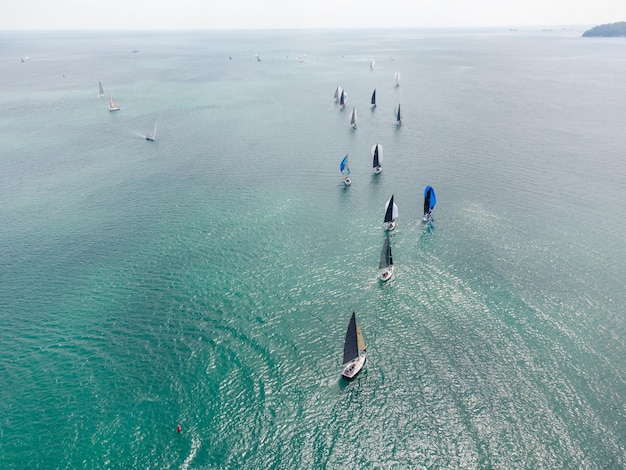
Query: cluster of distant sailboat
113 106
355 351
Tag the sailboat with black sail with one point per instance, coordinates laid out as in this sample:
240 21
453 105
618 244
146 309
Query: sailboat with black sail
385 265
354 349
373 100
429 203
353 118
377 158
398 115
391 213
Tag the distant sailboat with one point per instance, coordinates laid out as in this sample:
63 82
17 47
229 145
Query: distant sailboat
391 214
342 99
354 349
353 118
398 115
385 265
338 92
100 90
397 78
112 105
372 64
429 203
151 137
374 99
377 158
345 171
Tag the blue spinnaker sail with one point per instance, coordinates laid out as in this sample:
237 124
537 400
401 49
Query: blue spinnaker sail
429 199
344 165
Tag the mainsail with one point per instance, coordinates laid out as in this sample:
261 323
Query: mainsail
398 115
338 92
100 89
342 99
391 211
374 98
353 118
386 259
354 341
377 155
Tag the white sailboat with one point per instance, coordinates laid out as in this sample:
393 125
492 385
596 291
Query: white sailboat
354 349
391 214
338 92
100 89
151 137
345 171
112 105
385 265
353 118
372 64
377 158
397 78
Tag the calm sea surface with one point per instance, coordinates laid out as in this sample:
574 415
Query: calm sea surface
206 279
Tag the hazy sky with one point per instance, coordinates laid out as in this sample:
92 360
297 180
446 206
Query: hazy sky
235 14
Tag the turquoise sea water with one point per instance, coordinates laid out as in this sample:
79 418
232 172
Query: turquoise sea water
207 279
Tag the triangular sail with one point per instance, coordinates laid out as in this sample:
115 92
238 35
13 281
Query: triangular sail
345 169
398 115
372 64
338 91
360 342
353 118
100 89
386 259
377 155
374 97
351 344
391 211
397 78
342 98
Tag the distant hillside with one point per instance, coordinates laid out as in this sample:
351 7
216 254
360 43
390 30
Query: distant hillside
607 30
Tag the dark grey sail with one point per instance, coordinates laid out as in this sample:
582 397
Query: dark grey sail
427 202
386 260
398 115
351 345
374 97
389 211
376 163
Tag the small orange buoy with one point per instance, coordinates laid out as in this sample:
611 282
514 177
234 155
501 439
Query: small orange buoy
178 428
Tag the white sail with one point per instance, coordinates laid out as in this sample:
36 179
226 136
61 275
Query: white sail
353 118
338 91
100 89
112 105
397 78
394 210
372 64
152 136
380 153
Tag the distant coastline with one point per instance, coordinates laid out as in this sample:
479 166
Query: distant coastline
607 30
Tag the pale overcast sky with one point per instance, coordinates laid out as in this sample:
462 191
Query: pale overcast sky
236 14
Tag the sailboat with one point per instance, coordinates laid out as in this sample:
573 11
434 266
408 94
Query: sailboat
397 78
345 170
112 105
342 99
372 64
391 213
338 92
151 137
429 203
385 265
353 118
398 115
354 349
374 99
100 89
377 158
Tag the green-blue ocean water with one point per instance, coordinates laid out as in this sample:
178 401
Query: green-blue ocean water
206 279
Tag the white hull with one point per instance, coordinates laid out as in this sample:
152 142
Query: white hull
426 217
354 366
386 274
347 181
390 226
378 169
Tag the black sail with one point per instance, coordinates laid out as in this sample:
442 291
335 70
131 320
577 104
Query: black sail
427 203
376 163
389 211
351 346
374 97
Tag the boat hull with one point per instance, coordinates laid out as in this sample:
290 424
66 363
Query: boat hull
378 169
347 181
389 226
426 217
387 274
354 366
